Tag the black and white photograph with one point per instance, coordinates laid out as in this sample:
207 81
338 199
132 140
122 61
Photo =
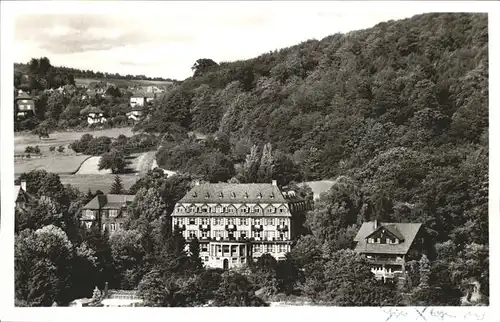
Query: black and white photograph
248 154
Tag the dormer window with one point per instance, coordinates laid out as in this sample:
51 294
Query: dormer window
271 196
259 196
207 195
220 195
233 195
392 241
194 194
246 195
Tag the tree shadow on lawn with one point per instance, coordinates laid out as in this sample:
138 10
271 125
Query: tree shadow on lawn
128 169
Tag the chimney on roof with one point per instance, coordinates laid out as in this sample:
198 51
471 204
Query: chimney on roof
197 182
375 224
23 185
106 289
274 183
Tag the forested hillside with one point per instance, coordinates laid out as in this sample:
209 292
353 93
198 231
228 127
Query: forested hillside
398 111
21 69
396 116
335 104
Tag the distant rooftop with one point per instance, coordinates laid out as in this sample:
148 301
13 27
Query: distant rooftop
109 201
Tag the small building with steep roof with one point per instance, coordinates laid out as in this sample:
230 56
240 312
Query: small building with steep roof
387 245
95 115
107 211
24 105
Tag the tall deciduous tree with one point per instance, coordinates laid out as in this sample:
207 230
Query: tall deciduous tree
202 65
43 262
114 160
236 290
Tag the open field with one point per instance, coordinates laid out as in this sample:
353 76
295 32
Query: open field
22 140
88 175
91 166
67 162
139 163
120 82
95 182
61 164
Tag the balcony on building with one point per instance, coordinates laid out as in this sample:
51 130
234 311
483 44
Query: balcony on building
204 227
282 227
256 227
378 260
386 272
242 238
181 227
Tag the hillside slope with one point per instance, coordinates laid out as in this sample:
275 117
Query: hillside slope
402 108
418 82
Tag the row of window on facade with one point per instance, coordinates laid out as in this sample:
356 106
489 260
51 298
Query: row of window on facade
237 234
112 226
231 221
222 250
379 241
380 269
231 209
234 260
112 213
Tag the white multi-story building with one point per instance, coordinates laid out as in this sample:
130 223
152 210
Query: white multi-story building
235 223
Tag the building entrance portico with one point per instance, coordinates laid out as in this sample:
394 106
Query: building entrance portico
225 264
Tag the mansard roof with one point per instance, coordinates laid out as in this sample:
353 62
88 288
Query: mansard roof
237 193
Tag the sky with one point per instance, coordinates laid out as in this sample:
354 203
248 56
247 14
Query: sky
164 39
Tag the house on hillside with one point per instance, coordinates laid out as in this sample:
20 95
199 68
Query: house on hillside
238 223
388 245
95 115
141 99
107 211
24 105
136 113
153 89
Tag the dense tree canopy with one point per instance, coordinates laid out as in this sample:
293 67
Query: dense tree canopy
395 115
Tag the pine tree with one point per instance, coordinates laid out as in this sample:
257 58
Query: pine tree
117 186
